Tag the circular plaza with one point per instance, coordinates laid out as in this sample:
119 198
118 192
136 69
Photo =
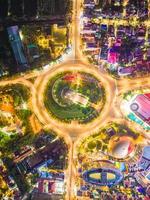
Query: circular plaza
74 96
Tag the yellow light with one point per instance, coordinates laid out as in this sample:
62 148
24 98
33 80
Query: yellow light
21 35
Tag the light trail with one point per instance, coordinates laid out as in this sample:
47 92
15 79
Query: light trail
74 133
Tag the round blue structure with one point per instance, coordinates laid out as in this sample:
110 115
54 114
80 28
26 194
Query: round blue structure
107 176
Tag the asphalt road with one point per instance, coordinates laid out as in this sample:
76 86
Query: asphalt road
73 133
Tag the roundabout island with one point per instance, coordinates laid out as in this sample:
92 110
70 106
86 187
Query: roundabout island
74 96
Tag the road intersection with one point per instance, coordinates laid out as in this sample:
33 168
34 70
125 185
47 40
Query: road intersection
74 132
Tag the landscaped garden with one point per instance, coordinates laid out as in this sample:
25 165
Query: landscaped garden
14 115
104 139
110 161
74 96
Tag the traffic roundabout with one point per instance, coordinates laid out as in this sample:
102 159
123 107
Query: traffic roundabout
72 95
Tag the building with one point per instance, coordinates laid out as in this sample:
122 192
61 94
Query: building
141 107
46 7
144 162
76 98
17 48
44 196
50 186
124 71
30 8
3 9
18 157
16 8
121 147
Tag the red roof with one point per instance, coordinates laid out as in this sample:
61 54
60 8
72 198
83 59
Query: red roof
40 186
112 57
70 77
147 95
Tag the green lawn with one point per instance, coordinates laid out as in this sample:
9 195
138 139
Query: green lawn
58 106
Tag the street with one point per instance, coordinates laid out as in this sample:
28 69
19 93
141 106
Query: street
73 133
